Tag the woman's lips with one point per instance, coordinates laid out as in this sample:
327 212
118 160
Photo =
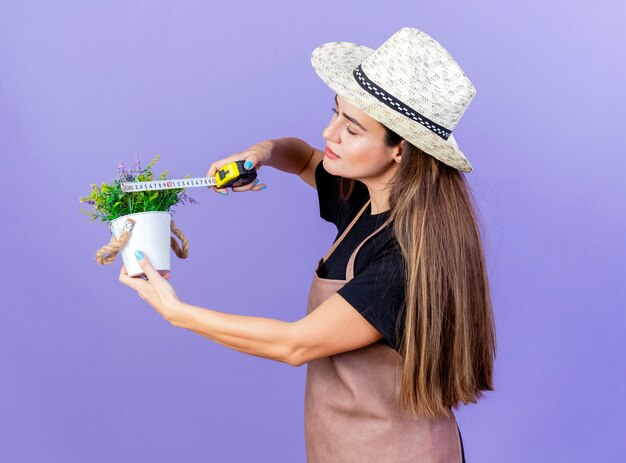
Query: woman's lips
330 153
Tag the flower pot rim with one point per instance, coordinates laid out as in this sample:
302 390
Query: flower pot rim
139 213
133 215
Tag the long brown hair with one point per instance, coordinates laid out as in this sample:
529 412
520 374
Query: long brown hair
448 341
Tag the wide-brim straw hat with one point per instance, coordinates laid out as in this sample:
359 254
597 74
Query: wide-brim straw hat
410 84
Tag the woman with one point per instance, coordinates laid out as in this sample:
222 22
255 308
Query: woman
399 327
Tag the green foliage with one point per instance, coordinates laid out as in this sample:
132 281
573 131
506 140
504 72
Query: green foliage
109 202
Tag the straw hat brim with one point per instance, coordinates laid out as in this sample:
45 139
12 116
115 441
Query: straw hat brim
335 62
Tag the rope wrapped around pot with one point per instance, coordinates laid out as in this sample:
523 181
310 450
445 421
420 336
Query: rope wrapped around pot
106 255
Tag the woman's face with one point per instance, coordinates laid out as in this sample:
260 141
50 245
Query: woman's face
358 141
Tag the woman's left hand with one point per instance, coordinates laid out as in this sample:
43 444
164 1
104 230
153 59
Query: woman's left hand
156 290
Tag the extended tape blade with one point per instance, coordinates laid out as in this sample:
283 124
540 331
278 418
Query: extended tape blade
129 187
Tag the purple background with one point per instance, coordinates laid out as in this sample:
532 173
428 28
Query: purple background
90 372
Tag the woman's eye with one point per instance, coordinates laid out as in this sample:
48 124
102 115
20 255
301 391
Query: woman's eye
334 110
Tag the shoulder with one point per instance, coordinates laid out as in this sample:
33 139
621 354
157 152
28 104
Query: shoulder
386 257
380 256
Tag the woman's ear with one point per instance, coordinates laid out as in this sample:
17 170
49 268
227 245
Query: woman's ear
397 155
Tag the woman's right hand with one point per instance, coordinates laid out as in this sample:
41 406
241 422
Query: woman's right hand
255 156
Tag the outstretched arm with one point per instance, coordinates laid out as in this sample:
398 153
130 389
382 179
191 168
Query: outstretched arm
334 327
262 337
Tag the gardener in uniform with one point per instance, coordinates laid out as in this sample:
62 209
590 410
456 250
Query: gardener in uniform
399 326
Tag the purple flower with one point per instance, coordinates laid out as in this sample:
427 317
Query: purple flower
137 166
129 175
183 197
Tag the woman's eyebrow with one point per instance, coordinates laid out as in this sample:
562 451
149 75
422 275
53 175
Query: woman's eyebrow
351 119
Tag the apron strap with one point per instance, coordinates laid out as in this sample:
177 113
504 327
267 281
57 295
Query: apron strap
345 232
350 267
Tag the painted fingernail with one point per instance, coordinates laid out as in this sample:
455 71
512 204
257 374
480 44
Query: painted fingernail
138 254
256 181
224 192
263 187
247 164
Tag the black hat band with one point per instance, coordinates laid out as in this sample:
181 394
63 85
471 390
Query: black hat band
391 101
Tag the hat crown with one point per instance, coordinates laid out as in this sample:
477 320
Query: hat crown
417 70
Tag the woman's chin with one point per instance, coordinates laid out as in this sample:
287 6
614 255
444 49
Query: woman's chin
330 165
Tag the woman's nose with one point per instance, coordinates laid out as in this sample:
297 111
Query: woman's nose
331 133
